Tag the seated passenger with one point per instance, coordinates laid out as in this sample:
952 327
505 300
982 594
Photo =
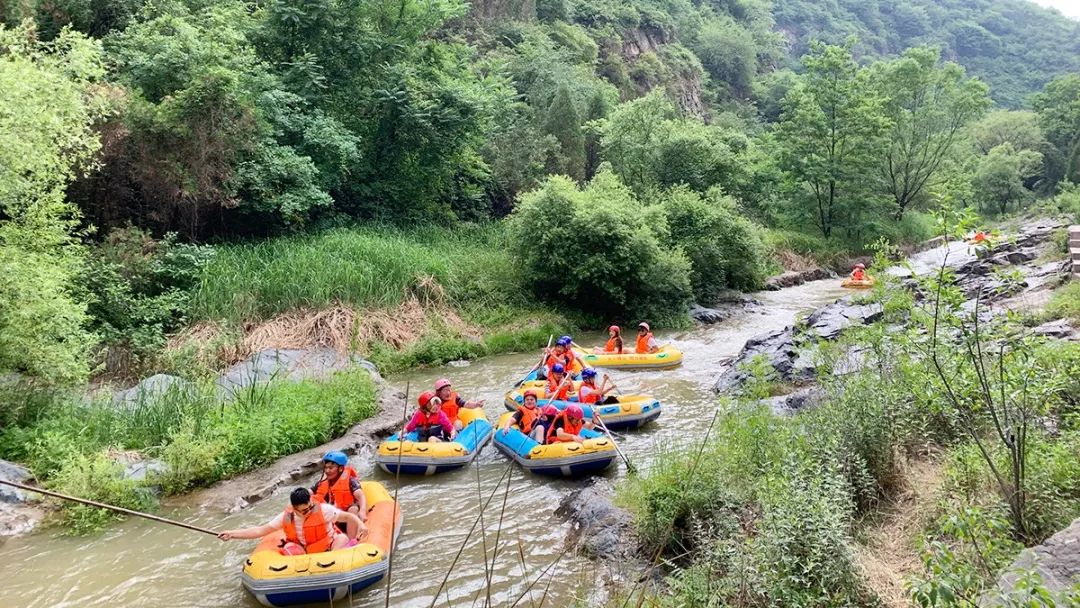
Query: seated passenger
340 486
308 525
590 394
532 420
645 341
430 422
556 388
858 273
568 425
614 344
452 402
562 354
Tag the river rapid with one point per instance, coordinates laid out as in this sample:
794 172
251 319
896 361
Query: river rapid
141 563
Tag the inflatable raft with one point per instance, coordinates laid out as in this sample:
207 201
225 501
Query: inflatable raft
567 459
632 411
423 458
850 283
667 357
283 580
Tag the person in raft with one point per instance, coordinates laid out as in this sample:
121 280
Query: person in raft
614 343
340 486
568 424
858 273
308 525
646 343
532 420
452 402
590 394
430 421
562 354
556 388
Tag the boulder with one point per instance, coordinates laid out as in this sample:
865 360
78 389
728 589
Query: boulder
778 348
599 529
802 399
1060 329
1057 562
792 278
152 388
289 364
708 316
9 471
829 321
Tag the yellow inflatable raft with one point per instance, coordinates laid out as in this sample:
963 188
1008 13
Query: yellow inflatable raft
565 458
283 580
631 411
851 283
668 356
423 458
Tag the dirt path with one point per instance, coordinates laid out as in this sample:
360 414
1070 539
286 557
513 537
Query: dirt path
889 552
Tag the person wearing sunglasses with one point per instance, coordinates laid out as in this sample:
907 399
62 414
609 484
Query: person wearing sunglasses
308 525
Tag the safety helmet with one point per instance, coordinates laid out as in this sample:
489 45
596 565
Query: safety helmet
550 410
338 458
558 368
645 325
614 328
564 341
529 393
575 411
861 266
441 383
425 397
588 372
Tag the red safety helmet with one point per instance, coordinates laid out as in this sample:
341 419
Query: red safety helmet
425 397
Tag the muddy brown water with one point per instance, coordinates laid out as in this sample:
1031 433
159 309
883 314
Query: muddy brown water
141 563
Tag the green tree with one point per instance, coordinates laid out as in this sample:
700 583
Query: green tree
832 125
929 104
50 96
1058 106
728 53
564 124
999 178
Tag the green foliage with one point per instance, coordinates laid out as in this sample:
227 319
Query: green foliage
49 98
728 52
97 477
1065 303
999 178
1058 107
564 124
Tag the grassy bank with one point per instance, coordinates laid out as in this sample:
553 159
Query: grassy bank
196 434
776 511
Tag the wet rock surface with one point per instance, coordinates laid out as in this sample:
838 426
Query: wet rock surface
600 529
1057 562
829 321
792 278
1060 329
9 471
20 512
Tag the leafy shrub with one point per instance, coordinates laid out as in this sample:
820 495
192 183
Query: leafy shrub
1065 303
190 461
96 477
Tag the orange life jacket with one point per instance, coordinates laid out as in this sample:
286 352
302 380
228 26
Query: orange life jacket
563 393
643 343
567 359
553 433
317 536
612 346
858 274
529 416
339 493
450 406
588 394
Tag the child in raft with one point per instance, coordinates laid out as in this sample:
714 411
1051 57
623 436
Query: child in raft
614 344
561 354
568 424
532 420
556 388
430 421
858 273
590 394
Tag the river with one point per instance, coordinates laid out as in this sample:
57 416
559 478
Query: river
141 563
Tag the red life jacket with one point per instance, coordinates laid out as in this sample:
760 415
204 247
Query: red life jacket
317 536
564 392
529 416
588 394
450 406
614 345
858 274
339 493
643 343
553 432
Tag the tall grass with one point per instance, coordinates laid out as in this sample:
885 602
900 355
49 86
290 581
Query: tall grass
365 267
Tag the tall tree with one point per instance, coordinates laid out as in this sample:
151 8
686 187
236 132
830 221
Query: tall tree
929 104
49 97
831 126
1058 107
564 124
999 178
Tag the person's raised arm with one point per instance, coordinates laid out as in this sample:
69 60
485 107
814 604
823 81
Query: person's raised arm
248 533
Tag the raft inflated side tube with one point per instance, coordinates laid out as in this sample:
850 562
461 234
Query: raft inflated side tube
850 283
667 357
632 411
424 458
565 458
284 580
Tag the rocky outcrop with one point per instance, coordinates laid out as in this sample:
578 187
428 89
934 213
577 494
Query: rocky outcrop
599 529
154 387
19 512
728 305
793 278
802 399
1060 330
829 321
1056 562
290 364
640 40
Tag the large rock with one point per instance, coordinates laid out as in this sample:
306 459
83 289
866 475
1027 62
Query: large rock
19 513
1057 562
792 278
9 471
829 321
289 364
778 348
152 388
600 529
802 399
1060 329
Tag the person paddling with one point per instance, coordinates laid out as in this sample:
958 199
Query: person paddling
532 420
308 525
340 486
430 422
646 343
452 403
556 388
568 425
561 354
590 394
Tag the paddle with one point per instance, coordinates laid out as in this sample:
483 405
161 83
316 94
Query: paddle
102 505
538 364
629 465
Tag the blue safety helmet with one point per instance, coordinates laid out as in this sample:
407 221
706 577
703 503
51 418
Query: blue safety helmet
558 368
338 458
588 372
564 341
